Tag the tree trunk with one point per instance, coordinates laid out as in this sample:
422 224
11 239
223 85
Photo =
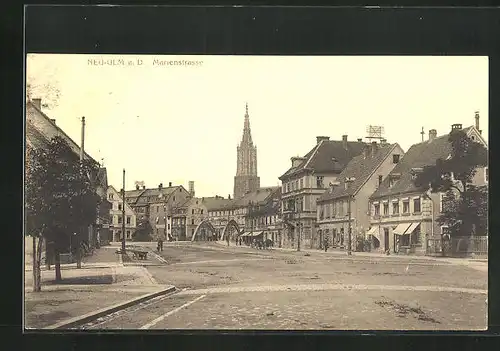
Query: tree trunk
79 253
57 259
39 264
36 285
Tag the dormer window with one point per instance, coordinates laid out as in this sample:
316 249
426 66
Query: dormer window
395 158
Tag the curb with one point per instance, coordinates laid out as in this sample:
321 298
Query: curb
73 322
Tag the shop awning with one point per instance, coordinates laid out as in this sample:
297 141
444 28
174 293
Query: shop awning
401 228
375 232
257 233
245 234
412 227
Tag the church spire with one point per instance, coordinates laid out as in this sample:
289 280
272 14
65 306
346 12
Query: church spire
247 135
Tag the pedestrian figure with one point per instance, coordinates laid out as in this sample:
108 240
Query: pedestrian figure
325 244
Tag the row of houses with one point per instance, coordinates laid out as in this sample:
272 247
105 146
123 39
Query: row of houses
337 187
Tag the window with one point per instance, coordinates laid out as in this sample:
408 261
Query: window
168 226
486 174
416 205
395 208
201 211
319 182
377 209
128 219
395 158
380 179
192 220
334 212
386 209
341 207
173 198
128 234
192 211
406 206
119 219
296 184
119 207
301 183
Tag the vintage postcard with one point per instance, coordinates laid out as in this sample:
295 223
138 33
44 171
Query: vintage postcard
256 192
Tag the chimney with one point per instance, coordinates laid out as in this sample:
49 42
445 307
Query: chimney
319 139
169 184
53 120
477 122
456 126
143 187
37 102
432 134
383 141
137 187
366 151
160 186
374 148
344 141
229 196
360 140
191 188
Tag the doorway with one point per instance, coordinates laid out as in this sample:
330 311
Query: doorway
386 239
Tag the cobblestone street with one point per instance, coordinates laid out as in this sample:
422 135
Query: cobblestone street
242 288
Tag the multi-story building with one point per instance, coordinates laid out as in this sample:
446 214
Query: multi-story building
306 181
263 218
348 198
116 214
157 205
246 179
40 129
403 216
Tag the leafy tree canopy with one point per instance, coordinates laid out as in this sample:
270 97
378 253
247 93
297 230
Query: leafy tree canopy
465 204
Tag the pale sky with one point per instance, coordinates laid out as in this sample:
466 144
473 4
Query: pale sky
179 123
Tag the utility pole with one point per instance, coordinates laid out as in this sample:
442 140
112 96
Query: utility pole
123 215
349 250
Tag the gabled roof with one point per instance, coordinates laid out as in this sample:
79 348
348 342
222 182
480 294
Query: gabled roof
320 157
216 202
133 196
112 188
361 168
419 155
258 197
52 130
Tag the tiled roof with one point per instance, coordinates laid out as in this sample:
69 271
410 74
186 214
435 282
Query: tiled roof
34 137
361 169
257 197
134 195
419 155
216 203
53 129
320 157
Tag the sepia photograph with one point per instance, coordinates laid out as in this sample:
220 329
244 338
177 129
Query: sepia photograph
246 192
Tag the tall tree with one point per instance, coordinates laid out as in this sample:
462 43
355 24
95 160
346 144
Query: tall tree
60 198
465 204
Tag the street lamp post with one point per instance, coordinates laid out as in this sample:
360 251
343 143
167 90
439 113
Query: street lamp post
349 250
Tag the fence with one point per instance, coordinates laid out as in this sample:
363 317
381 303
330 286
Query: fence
458 246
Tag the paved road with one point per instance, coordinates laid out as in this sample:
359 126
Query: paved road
242 288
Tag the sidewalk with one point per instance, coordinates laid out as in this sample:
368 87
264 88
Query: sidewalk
101 282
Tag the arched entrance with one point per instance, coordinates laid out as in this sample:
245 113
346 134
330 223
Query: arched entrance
230 229
205 230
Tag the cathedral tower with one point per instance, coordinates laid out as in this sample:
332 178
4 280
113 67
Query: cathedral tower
246 179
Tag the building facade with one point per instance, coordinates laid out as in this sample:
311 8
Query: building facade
402 216
246 179
157 205
306 181
347 200
116 214
263 217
